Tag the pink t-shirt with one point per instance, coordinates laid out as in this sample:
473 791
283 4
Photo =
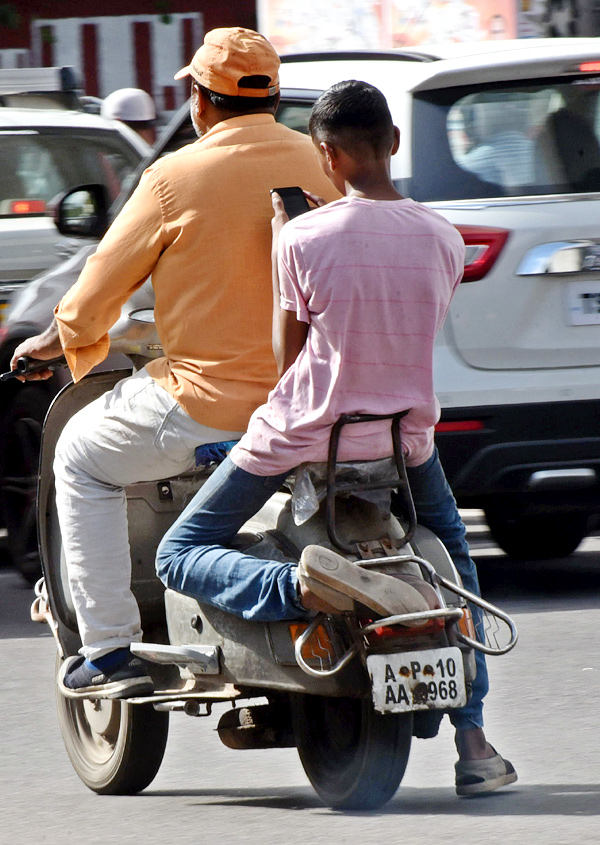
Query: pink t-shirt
374 280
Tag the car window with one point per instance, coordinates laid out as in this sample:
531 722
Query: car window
295 114
35 166
507 140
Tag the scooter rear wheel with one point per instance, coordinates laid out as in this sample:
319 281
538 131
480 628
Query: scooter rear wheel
354 757
116 748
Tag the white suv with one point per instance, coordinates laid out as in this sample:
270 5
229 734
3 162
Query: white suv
503 139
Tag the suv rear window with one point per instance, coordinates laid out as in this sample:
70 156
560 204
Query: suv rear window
515 139
35 166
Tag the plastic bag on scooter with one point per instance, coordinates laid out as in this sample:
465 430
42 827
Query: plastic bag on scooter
309 485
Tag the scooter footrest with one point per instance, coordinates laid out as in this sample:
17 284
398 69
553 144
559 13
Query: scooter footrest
202 660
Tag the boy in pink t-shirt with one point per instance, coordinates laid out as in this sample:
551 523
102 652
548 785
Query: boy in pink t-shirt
363 286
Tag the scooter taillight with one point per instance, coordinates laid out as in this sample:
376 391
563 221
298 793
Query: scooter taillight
394 632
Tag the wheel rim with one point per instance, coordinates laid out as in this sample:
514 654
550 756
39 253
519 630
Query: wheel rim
115 747
96 728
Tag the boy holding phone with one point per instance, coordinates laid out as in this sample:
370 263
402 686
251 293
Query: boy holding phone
361 287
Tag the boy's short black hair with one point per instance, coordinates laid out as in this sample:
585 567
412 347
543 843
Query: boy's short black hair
241 104
353 114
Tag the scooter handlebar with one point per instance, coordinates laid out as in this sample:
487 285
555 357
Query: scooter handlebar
27 365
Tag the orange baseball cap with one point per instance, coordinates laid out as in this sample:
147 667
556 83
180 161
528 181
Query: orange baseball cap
228 55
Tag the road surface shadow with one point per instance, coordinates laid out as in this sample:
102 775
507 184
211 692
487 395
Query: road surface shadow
521 800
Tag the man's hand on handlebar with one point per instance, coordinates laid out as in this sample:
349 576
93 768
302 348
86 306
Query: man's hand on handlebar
41 347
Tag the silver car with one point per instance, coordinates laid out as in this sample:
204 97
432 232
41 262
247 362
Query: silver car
44 152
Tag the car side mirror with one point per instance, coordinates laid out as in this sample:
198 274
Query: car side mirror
82 212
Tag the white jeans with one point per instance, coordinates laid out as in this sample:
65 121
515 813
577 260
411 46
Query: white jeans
135 432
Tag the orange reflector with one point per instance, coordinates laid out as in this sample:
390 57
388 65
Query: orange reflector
27 207
589 67
460 425
465 624
318 646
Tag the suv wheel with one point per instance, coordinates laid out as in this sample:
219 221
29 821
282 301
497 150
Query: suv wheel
536 536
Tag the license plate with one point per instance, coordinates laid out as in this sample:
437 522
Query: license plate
418 680
583 303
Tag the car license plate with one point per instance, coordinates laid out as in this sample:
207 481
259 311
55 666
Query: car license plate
418 680
583 303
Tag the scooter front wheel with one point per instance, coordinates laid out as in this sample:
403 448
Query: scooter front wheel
354 757
116 748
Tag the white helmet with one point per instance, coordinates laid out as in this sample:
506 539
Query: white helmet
130 105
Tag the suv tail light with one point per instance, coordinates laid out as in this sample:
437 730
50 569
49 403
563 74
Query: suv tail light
460 425
483 248
27 207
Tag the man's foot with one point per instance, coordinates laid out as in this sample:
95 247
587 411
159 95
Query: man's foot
480 769
339 582
118 674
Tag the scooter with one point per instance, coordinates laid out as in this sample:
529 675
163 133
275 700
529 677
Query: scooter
349 690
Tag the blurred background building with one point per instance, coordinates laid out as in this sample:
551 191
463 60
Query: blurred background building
116 43
141 43
302 25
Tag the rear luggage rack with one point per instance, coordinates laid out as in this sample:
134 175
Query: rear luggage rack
335 487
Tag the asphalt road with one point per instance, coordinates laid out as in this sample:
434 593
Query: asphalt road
541 713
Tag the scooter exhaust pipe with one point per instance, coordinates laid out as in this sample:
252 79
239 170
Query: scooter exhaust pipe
263 726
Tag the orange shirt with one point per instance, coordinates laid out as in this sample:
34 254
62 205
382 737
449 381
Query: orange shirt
200 223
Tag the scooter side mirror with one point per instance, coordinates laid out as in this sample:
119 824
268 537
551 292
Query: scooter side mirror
82 211
142 315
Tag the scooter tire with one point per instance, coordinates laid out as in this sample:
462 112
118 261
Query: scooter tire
354 757
116 748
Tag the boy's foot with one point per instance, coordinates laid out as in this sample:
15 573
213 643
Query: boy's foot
478 777
480 769
118 674
341 582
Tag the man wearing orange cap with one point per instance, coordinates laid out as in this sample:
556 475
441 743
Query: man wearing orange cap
199 222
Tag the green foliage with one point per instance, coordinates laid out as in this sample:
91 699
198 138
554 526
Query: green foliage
9 16
164 9
46 35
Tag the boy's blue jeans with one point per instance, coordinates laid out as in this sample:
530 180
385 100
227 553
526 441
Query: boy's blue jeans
193 560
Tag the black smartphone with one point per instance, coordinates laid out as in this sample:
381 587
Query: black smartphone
294 201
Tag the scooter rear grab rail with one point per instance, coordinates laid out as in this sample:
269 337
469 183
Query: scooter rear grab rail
439 581
334 486
303 639
451 614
